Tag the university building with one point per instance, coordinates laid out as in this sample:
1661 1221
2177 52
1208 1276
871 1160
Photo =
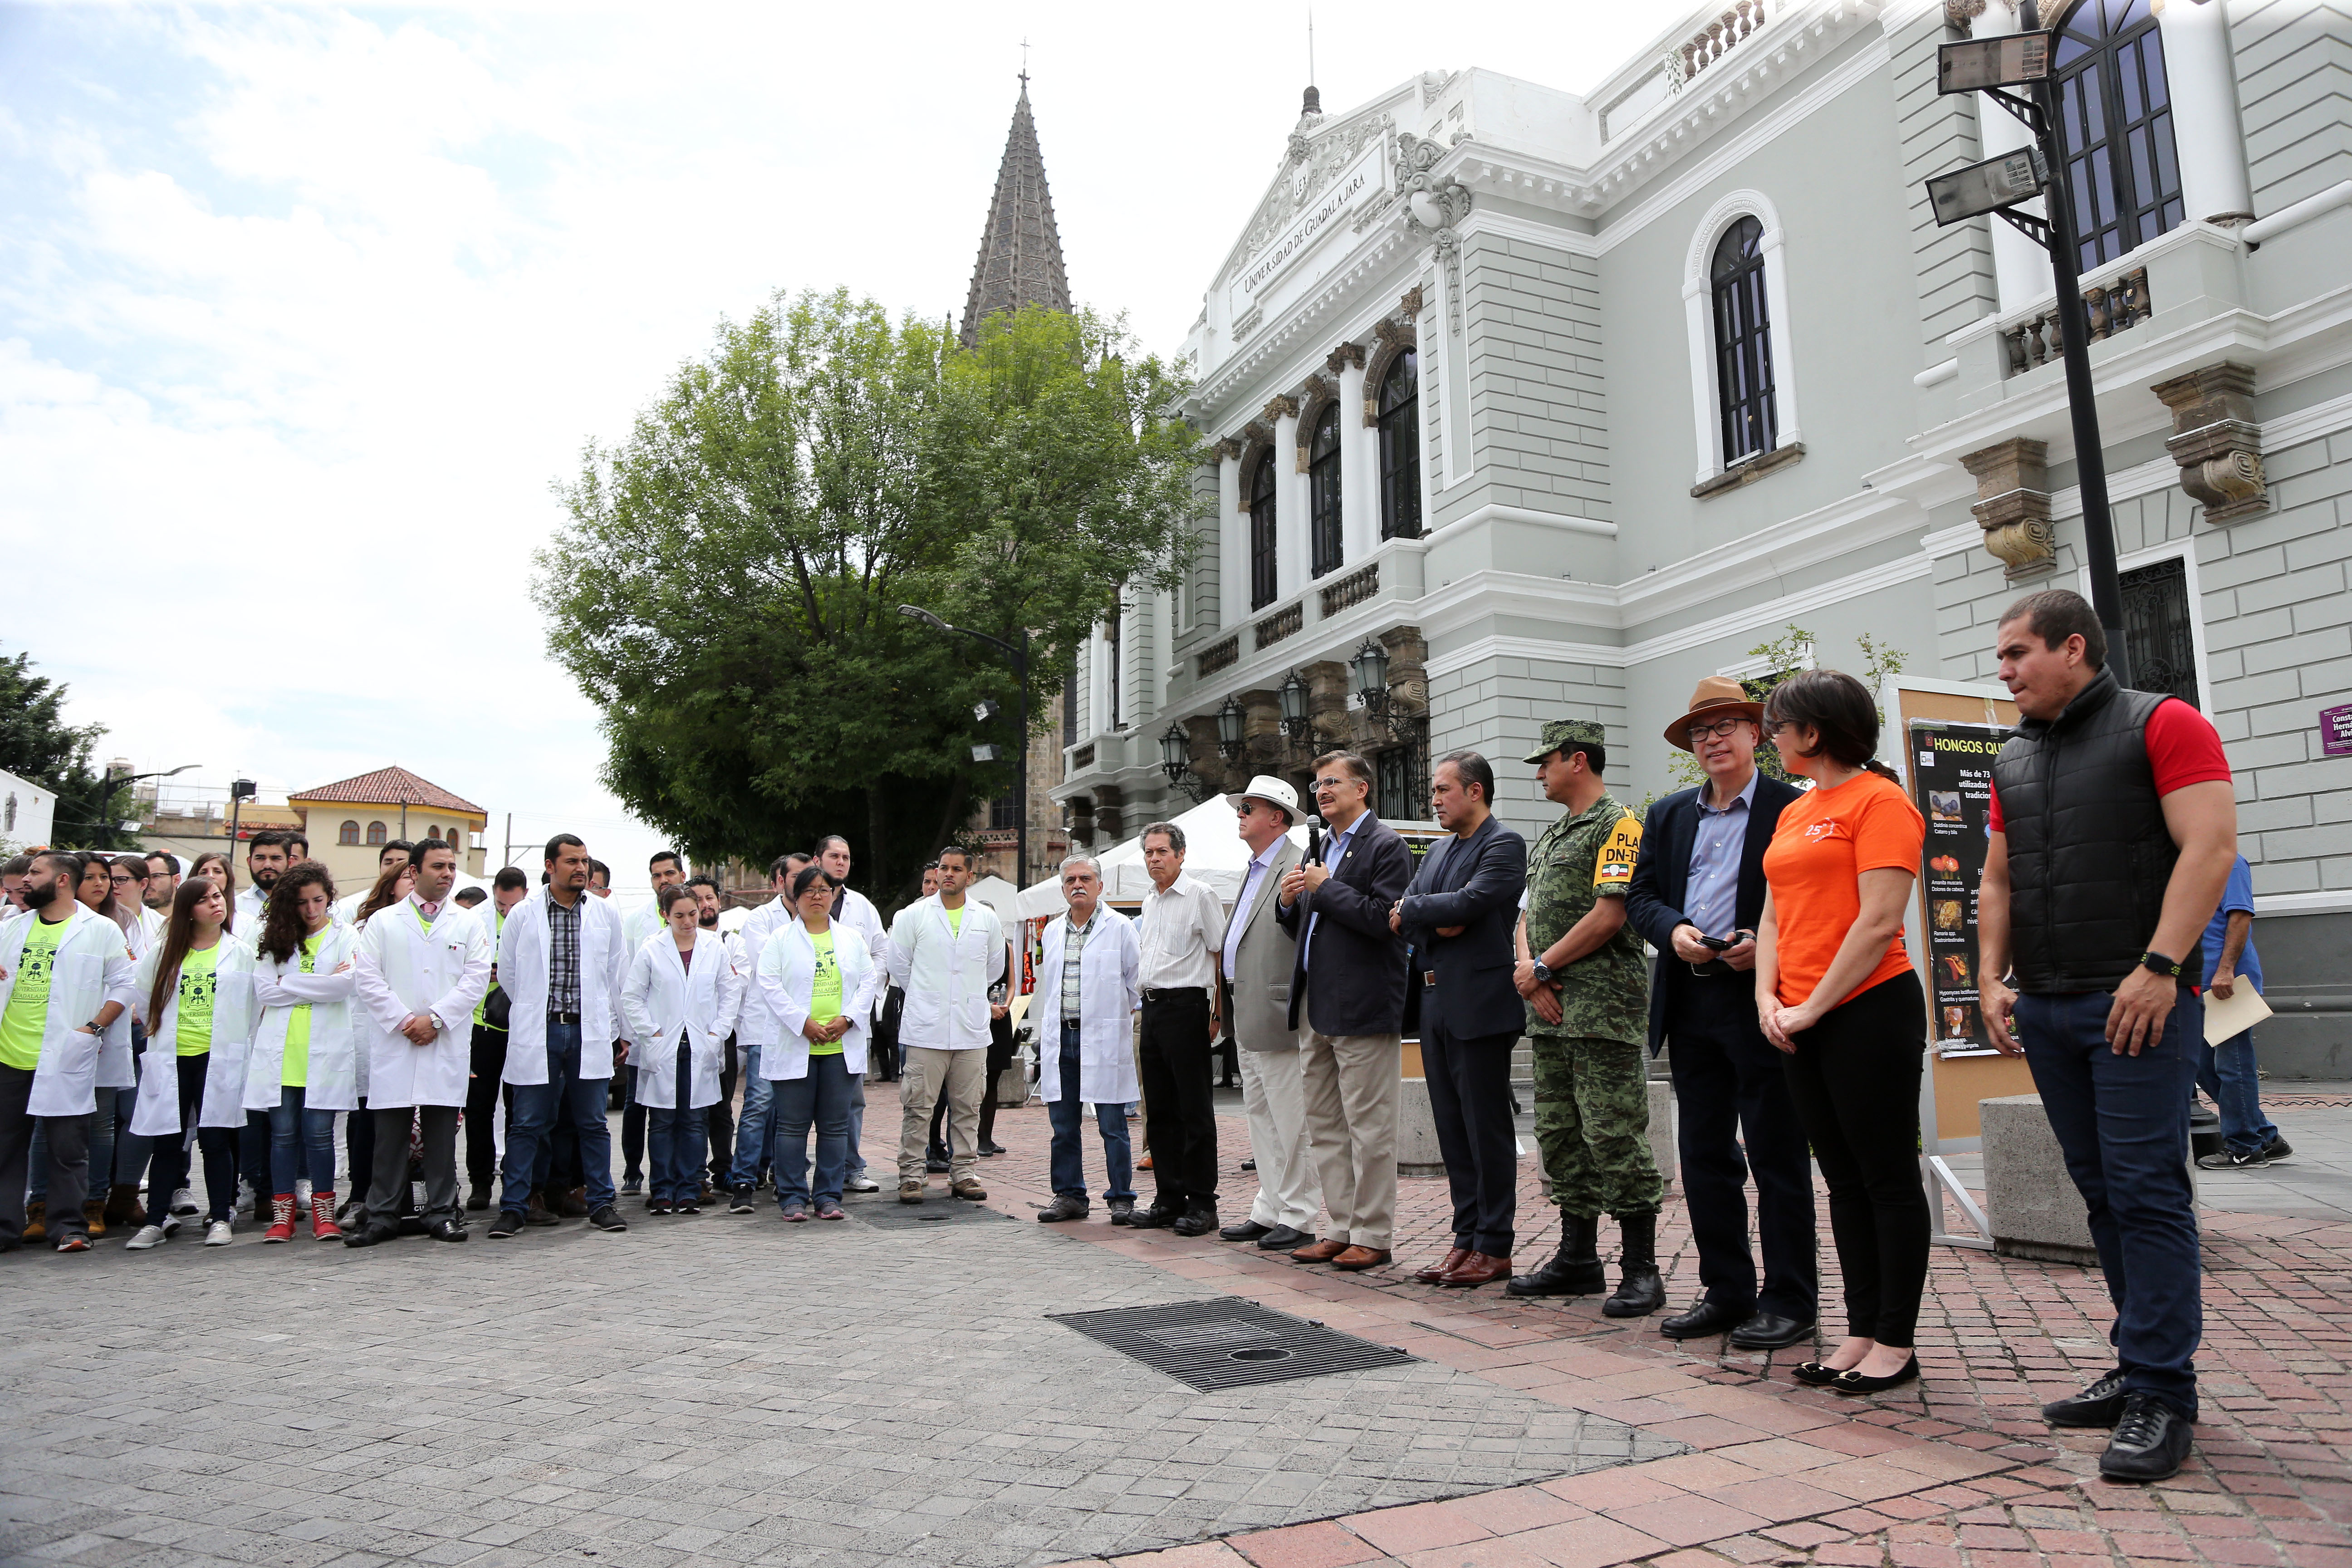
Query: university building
1527 405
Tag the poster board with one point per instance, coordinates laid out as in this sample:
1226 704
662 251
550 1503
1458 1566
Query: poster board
1968 716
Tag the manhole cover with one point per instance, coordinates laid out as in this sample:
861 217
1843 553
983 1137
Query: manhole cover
1228 1343
889 1213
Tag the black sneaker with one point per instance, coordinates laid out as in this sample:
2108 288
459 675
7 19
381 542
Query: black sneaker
606 1217
2278 1152
741 1202
2101 1404
2227 1159
1122 1211
937 1164
2151 1441
632 1186
508 1222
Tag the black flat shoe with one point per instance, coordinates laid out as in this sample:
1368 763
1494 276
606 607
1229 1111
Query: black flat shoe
1813 1374
1856 1382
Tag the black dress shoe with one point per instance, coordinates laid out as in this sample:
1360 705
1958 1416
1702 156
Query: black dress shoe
1198 1219
1249 1165
607 1217
479 1197
991 1148
450 1229
2150 1442
1285 1239
1155 1218
508 1222
370 1235
1703 1318
1248 1230
2101 1404
1770 1331
1852 1381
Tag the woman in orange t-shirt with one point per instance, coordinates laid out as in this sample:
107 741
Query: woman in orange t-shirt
1835 991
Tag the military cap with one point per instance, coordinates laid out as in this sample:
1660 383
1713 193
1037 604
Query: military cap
1569 732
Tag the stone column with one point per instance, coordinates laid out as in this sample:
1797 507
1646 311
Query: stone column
2206 128
1290 500
2216 441
1359 466
2012 506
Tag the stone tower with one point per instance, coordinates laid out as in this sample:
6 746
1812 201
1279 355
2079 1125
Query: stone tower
1020 250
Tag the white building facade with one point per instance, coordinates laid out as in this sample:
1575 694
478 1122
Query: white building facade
1559 404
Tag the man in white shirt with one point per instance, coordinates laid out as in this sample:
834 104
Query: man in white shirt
1182 924
945 952
1255 957
667 871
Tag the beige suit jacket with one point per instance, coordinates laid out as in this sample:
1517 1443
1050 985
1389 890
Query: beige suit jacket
1261 966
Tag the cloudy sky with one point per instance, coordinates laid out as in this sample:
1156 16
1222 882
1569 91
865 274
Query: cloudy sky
302 309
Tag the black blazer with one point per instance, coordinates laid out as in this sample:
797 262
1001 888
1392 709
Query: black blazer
1355 984
1662 876
1474 884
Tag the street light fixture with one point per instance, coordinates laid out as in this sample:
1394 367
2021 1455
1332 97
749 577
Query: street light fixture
1989 186
1231 720
1019 655
1176 761
1292 695
2013 60
1370 667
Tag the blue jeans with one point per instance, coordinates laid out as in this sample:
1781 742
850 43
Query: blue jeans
301 1143
856 1159
2228 1076
2123 1124
1067 1163
756 1127
675 1135
820 1100
530 1126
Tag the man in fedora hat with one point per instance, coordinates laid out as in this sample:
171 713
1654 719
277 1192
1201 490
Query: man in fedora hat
1580 971
1256 958
1695 896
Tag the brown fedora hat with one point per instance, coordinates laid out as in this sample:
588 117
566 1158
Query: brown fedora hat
1718 697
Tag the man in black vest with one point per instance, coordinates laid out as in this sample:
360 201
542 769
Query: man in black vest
1697 894
2113 828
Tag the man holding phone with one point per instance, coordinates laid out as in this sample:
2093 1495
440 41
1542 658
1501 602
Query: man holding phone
1697 894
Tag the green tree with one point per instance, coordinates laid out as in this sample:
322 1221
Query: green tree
37 744
726 586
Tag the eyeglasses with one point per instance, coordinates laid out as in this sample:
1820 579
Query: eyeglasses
124 879
1774 726
1719 729
1333 782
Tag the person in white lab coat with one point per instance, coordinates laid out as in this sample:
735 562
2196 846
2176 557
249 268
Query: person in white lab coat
637 924
353 911
946 951
680 1000
855 911
266 860
1090 985
304 1064
65 978
489 1050
422 964
195 997
755 1032
820 976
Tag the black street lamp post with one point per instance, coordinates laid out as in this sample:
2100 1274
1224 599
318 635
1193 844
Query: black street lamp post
1019 655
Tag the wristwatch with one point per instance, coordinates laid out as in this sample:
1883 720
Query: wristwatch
1542 973
2156 963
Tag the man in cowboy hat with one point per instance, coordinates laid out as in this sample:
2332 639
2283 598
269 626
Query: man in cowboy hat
1254 962
1697 894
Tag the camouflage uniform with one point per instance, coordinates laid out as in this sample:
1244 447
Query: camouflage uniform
1592 1100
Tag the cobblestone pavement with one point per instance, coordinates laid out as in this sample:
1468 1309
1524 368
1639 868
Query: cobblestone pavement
716 1388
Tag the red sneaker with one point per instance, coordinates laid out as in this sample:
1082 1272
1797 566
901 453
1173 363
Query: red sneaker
281 1219
322 1218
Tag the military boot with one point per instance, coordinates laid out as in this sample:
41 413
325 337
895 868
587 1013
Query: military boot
1574 1270
1640 1291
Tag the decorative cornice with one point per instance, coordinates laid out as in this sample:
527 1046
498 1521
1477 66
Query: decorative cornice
1345 356
1281 406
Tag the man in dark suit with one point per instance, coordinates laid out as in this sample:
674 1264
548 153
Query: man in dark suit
1696 895
1351 978
1459 914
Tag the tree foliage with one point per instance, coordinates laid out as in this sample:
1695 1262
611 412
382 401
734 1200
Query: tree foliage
38 745
726 585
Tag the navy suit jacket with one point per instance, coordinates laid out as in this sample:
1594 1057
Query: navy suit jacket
1474 884
1662 876
1355 984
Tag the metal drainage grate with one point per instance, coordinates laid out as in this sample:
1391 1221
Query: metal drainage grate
887 1213
1227 1342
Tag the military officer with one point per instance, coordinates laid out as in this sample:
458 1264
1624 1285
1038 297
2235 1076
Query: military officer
1587 987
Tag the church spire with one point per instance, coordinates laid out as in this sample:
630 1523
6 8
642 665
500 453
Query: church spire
1020 250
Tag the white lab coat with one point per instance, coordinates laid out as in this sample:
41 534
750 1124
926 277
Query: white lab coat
788 971
1111 988
117 1067
758 1025
523 975
337 1073
406 970
640 921
92 968
157 1113
946 976
663 999
858 913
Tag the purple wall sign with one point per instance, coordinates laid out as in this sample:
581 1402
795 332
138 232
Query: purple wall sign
2335 732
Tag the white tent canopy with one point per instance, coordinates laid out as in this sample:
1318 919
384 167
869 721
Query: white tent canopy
1213 852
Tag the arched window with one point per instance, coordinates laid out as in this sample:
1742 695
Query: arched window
1323 490
1400 424
376 834
1262 578
2115 128
1743 342
349 833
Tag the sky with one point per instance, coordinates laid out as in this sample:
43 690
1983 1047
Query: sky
304 309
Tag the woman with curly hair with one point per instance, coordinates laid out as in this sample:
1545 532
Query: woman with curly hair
303 1065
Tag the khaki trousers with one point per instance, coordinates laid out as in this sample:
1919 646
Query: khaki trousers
925 1074
1352 1099
1274 1092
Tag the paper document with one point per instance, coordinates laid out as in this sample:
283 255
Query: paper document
2241 1011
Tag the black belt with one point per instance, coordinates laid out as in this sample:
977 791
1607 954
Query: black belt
1176 993
556 1018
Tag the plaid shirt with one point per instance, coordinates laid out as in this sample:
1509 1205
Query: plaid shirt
1073 948
563 955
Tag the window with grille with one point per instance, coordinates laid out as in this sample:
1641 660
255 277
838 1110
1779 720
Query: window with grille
1743 343
1400 427
1261 577
1323 490
1003 814
1401 783
2159 644
2115 128
349 833
376 833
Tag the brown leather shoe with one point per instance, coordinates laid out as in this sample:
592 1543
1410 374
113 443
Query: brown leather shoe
1318 1252
572 1205
1478 1268
1453 1259
1357 1257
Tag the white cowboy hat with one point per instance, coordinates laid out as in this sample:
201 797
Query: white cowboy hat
1271 790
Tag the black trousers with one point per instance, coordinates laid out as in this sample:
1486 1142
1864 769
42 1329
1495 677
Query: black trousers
489 1066
720 1124
437 1139
1179 1118
1737 1120
169 1170
1470 1099
1000 1057
1856 1082
359 1149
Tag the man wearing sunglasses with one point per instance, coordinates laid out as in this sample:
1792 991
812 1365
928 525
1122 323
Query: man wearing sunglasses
1697 894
